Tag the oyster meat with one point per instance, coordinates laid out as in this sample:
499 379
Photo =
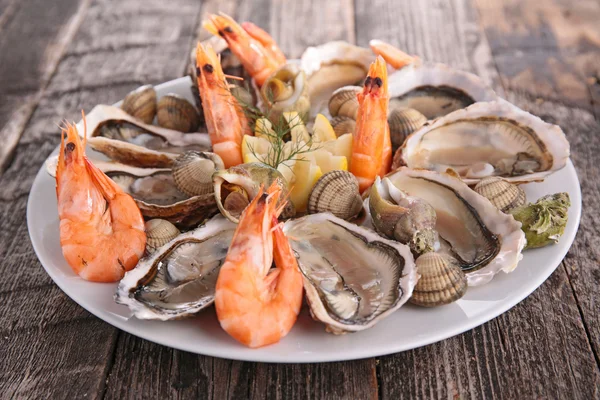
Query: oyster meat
353 277
471 229
125 139
436 89
179 278
488 139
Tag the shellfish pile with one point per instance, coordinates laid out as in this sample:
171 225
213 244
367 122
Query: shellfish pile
448 214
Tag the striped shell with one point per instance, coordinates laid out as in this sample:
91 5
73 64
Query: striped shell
175 112
193 170
442 281
342 125
141 103
158 232
403 122
504 195
336 192
343 102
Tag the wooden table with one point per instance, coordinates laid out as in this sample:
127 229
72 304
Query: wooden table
61 56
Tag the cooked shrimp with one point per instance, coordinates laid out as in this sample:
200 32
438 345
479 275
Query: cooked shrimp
266 40
392 55
371 145
258 306
224 120
101 228
259 61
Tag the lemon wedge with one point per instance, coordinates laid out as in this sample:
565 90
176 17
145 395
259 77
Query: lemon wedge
306 174
342 146
254 148
329 162
298 129
322 130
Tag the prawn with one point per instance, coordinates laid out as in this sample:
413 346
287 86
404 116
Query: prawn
392 55
255 305
225 120
371 144
101 227
256 50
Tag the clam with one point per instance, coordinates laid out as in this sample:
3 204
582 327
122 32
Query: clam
193 171
353 277
436 89
480 237
123 138
243 183
175 112
504 195
344 103
488 139
402 122
545 220
158 232
157 196
441 282
342 125
141 103
336 192
179 278
332 66
409 220
286 90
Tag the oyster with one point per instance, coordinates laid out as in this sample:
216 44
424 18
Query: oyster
353 277
545 220
495 138
470 228
286 90
235 187
123 138
331 66
156 194
179 278
436 89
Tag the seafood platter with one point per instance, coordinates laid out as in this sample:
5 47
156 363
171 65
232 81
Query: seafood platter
352 203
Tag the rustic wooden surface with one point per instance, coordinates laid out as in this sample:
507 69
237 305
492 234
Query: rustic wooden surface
56 60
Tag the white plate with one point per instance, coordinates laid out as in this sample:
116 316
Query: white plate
408 328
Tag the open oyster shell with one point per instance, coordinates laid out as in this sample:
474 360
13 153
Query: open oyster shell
331 66
353 277
179 278
471 229
125 139
488 139
436 89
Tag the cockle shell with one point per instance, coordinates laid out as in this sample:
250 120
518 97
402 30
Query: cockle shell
342 125
175 112
141 103
402 122
442 281
158 232
193 171
343 102
504 195
336 192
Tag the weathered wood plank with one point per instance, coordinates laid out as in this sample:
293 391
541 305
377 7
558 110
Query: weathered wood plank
41 39
510 356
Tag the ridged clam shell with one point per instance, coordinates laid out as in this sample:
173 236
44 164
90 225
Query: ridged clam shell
193 170
403 122
336 192
442 281
342 125
141 103
158 232
504 195
175 112
343 102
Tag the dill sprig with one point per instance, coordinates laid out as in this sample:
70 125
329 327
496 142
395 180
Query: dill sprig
285 146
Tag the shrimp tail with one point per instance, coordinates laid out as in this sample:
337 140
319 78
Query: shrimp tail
392 55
